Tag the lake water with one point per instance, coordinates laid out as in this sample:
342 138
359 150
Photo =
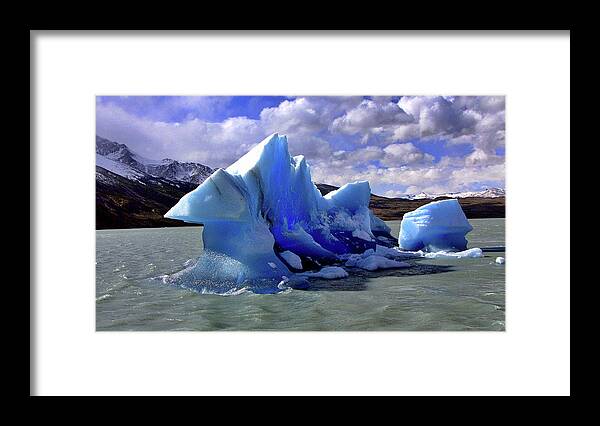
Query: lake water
434 294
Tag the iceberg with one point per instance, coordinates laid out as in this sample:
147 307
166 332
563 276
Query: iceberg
437 226
265 218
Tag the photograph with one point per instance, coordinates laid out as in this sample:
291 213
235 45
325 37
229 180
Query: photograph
300 213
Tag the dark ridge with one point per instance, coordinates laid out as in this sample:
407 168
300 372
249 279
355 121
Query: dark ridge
394 208
126 203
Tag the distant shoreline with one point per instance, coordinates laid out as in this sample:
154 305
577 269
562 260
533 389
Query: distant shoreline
188 225
384 208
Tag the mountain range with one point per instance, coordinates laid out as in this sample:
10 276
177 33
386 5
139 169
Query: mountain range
119 159
485 193
135 192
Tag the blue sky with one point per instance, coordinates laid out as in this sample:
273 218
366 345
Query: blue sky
400 144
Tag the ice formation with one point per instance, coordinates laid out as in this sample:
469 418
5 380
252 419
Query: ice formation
291 259
265 216
328 273
500 260
373 262
267 228
473 253
437 226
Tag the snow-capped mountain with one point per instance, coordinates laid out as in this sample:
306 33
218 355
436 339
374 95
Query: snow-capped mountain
121 160
486 193
175 170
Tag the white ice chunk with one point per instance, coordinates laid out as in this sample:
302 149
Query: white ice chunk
328 273
500 260
437 226
367 253
363 235
474 252
292 259
283 284
373 262
395 252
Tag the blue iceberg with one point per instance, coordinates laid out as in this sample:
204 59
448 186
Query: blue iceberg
437 226
266 216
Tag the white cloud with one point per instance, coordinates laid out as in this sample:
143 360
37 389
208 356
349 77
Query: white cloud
474 120
297 116
404 154
215 144
343 138
439 116
371 117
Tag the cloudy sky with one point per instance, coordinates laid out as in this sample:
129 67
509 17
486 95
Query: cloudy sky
400 144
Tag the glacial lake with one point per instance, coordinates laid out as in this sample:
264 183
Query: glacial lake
434 294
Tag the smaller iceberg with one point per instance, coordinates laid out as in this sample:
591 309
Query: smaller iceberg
437 226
